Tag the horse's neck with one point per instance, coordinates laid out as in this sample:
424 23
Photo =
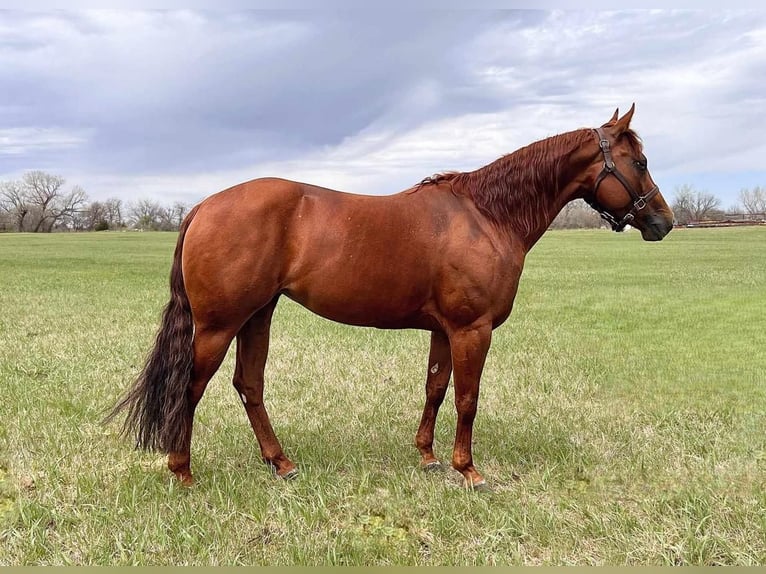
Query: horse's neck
572 184
530 187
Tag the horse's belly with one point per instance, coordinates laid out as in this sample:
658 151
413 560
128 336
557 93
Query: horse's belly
373 301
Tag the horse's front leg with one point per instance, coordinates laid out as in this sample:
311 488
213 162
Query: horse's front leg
437 381
469 351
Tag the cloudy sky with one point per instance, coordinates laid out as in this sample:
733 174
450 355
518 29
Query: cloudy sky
177 105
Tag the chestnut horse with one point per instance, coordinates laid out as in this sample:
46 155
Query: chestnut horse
444 256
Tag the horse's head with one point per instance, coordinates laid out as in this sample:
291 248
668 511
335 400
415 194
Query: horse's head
623 191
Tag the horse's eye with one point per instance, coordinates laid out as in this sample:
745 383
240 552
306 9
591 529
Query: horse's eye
640 165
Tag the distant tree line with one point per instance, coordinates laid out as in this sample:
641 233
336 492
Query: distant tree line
690 205
39 202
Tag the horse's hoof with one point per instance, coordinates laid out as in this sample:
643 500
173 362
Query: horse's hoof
480 486
433 466
185 479
289 475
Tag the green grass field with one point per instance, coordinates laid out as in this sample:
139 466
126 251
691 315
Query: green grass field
621 419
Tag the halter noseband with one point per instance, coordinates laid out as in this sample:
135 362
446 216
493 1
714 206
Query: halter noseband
638 201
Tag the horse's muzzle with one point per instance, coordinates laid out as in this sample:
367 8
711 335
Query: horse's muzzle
656 227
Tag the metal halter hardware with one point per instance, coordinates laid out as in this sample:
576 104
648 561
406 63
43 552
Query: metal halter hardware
638 201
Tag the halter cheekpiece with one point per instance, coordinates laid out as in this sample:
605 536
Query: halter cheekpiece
638 201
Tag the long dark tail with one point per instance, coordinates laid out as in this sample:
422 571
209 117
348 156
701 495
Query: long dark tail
157 403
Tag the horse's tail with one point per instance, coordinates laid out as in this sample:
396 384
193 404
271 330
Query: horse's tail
157 403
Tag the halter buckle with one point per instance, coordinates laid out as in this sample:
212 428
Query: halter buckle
639 204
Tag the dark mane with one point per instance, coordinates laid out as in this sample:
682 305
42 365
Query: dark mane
518 189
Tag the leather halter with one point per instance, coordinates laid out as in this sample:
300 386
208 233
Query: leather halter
638 201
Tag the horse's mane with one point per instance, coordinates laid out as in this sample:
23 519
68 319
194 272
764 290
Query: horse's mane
518 189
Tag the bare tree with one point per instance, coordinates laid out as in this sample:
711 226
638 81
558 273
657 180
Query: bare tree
14 201
180 210
42 190
95 217
166 219
49 206
691 205
753 200
113 208
146 214
66 209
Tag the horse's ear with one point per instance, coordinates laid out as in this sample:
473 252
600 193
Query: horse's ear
613 118
623 124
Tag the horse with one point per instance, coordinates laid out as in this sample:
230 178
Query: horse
443 256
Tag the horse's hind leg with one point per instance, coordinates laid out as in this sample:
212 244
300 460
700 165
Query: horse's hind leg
439 370
252 350
209 351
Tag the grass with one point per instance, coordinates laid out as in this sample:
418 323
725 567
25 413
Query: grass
621 418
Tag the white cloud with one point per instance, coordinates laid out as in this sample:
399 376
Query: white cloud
31 140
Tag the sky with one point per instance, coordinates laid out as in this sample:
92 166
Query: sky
177 105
